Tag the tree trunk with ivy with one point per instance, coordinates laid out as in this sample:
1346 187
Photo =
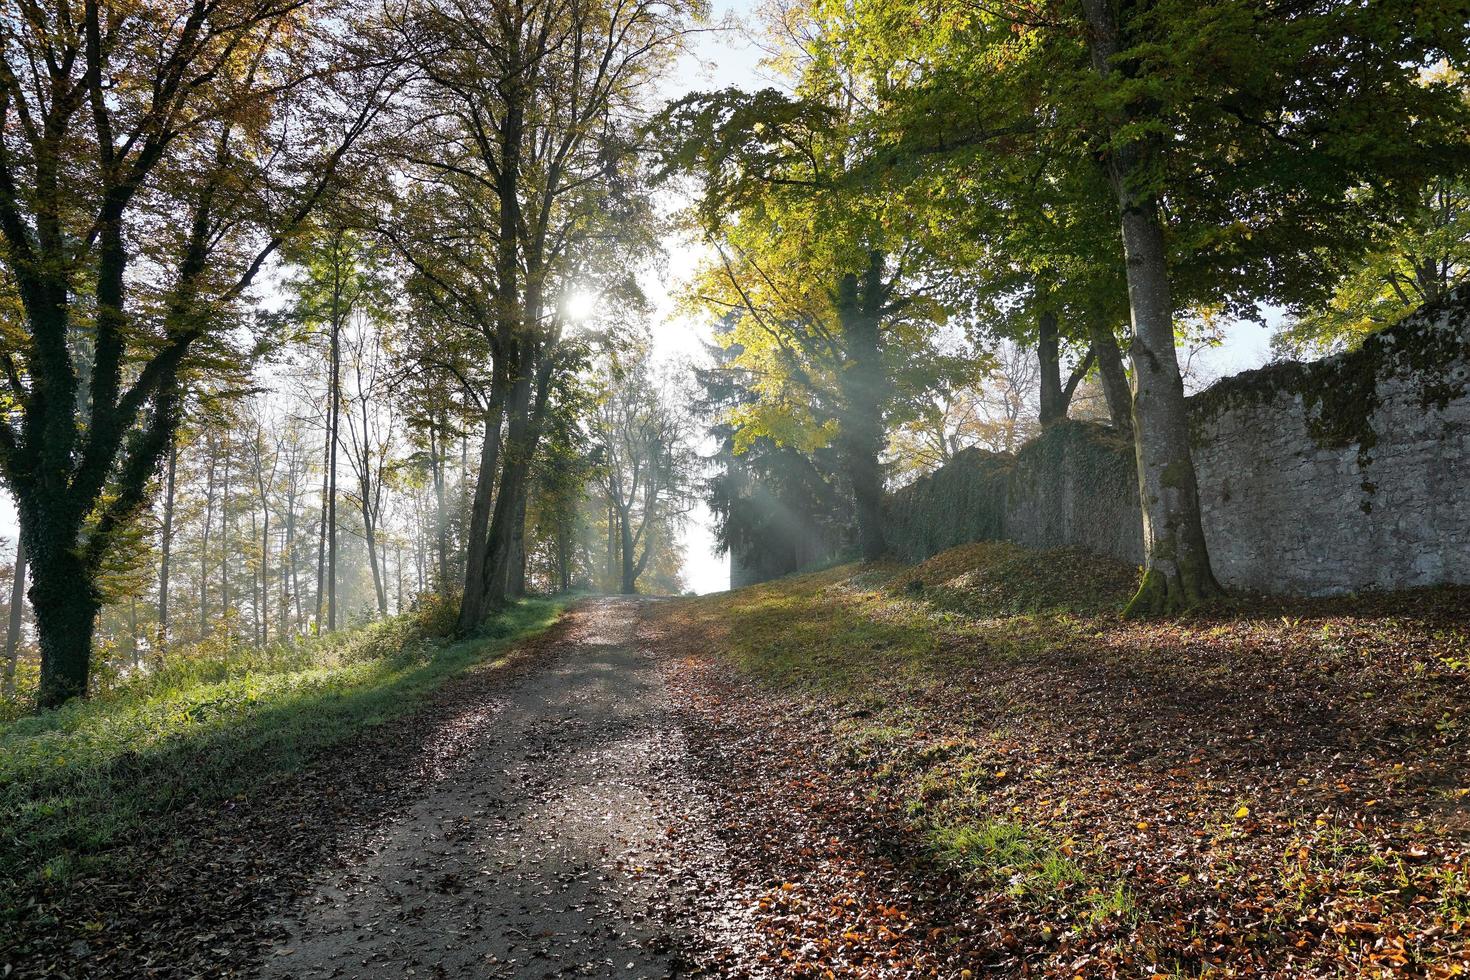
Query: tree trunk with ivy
17 614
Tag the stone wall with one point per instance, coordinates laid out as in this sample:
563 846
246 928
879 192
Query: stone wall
1337 475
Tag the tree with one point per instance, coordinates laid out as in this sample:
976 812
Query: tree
644 433
825 301
528 144
185 138
777 509
1232 139
14 617
338 276
1417 261
371 431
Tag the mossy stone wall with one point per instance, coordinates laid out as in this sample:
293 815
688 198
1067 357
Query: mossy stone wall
1333 476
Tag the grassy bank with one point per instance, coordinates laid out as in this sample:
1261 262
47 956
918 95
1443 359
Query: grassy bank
1270 783
209 725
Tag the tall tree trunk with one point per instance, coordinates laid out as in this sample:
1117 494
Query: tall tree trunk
288 561
334 419
398 572
466 502
528 400
17 614
859 304
513 351
224 541
321 527
165 547
265 572
514 469
204 542
1048 354
1177 573
612 544
441 524
369 514
563 558
1114 378
133 629
65 605
255 570
477 544
370 534
516 575
629 576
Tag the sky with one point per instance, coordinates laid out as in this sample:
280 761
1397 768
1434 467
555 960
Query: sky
718 57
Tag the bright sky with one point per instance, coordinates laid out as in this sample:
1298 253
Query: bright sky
720 58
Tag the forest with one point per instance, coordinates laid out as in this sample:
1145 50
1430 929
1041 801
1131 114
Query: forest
361 361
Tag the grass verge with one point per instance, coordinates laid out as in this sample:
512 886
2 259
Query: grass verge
77 782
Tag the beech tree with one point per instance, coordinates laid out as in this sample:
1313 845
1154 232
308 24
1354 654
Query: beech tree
524 133
152 157
1233 140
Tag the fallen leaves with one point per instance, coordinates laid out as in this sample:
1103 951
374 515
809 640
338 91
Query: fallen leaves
1214 794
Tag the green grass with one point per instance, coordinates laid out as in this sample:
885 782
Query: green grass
1023 859
77 781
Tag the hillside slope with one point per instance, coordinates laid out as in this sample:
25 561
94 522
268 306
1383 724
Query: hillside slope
1266 790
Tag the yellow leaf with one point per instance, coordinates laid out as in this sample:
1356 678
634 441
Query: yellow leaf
1242 813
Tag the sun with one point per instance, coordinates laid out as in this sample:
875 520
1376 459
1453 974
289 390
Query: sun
579 306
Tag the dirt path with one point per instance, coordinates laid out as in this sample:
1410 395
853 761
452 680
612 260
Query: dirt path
549 852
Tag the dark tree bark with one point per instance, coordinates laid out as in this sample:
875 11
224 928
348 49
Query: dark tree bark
628 574
17 614
1114 379
477 543
210 444
65 605
612 541
334 418
515 469
515 586
1056 397
224 537
165 547
441 524
1048 352
860 302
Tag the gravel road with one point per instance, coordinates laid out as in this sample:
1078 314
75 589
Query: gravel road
568 842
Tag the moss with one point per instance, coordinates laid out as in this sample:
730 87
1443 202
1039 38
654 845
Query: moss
1176 474
1161 593
1340 394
